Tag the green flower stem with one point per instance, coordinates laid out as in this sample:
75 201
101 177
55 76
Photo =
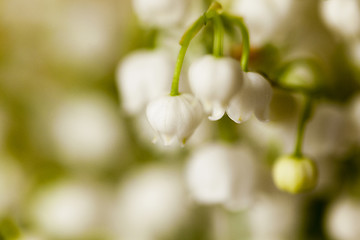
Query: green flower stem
245 39
304 117
218 37
212 12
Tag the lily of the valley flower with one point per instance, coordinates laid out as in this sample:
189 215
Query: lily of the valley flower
149 203
269 207
343 216
254 97
174 117
220 174
160 13
143 76
263 17
295 174
215 81
342 16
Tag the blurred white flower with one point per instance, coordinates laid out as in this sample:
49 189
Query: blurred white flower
67 209
342 219
83 33
208 174
215 81
143 76
274 217
85 130
327 132
262 17
150 204
220 174
254 97
245 176
160 13
342 16
174 117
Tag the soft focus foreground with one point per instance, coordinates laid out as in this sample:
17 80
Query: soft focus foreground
76 154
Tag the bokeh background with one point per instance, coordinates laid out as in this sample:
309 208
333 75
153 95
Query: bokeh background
74 165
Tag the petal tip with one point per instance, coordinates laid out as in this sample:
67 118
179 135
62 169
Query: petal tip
214 118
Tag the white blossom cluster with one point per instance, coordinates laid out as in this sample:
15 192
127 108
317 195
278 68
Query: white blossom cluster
218 85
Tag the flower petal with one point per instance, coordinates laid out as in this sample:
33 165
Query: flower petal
218 112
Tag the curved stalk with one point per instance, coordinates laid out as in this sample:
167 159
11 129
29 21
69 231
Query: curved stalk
245 39
212 12
218 37
304 117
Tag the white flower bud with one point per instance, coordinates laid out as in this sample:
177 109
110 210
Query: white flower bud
215 81
300 76
254 97
174 117
160 13
142 77
342 16
294 175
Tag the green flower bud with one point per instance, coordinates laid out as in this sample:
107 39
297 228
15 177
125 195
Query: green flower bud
294 174
301 75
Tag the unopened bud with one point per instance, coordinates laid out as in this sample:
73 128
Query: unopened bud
294 174
301 75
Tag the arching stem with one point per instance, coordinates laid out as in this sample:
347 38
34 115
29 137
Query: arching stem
212 12
245 39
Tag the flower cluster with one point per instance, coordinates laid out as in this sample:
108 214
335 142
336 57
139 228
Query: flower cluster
219 84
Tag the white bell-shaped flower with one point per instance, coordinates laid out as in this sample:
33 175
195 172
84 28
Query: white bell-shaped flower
150 204
343 216
160 13
262 17
208 174
215 81
174 117
342 16
254 97
68 209
274 217
143 76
